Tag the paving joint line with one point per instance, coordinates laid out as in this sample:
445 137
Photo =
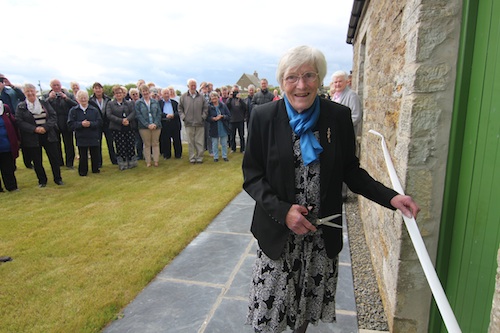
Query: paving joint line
225 288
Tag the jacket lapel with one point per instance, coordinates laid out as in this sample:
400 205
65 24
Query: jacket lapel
328 138
283 140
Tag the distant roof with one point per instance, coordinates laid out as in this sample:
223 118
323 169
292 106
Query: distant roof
248 79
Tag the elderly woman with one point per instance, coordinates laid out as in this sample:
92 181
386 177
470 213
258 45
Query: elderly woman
148 114
121 116
300 150
341 93
173 95
218 118
9 148
134 97
37 122
86 121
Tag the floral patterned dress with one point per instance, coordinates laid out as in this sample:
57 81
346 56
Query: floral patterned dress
300 286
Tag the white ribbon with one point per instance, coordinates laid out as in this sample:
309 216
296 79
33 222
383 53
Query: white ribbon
425 261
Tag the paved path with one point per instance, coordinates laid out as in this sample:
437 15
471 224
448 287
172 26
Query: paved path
205 288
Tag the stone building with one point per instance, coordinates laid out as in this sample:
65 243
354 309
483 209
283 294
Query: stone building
425 71
248 79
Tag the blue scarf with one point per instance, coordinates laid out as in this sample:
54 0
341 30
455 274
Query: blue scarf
302 125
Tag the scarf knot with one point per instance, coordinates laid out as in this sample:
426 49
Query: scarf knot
302 125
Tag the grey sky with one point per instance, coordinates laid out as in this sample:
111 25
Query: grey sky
165 42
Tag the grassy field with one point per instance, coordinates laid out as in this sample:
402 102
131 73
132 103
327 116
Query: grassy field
84 250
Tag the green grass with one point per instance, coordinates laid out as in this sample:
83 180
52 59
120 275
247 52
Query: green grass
81 252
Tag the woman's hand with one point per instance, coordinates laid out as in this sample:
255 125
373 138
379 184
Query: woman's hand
406 205
40 130
296 221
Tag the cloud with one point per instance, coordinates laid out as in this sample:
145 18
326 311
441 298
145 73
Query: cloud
122 41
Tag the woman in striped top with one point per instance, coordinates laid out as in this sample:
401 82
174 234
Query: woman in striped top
37 123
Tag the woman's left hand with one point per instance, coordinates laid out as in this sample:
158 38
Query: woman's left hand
406 205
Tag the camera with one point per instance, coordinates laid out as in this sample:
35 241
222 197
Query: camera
58 94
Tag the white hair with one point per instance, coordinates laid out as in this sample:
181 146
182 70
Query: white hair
339 74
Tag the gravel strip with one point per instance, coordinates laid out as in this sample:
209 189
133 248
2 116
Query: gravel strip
371 315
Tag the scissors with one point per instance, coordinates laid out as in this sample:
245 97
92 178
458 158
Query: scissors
324 220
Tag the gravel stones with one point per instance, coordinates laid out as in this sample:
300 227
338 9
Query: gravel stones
371 315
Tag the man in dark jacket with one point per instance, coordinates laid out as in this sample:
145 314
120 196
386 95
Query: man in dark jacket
10 94
263 96
99 100
238 110
170 126
62 101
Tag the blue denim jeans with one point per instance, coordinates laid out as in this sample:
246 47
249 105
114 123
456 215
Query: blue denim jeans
215 146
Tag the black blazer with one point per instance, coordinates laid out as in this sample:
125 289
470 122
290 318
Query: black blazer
174 122
269 173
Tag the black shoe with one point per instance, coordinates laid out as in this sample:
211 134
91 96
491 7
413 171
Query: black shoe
226 160
70 167
97 171
216 160
59 182
5 259
42 185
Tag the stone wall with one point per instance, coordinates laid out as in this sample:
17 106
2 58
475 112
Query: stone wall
495 309
405 57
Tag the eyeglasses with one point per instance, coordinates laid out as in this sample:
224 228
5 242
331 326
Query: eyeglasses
308 77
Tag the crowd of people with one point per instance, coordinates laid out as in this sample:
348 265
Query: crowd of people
143 123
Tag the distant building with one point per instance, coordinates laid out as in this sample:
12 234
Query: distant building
248 79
